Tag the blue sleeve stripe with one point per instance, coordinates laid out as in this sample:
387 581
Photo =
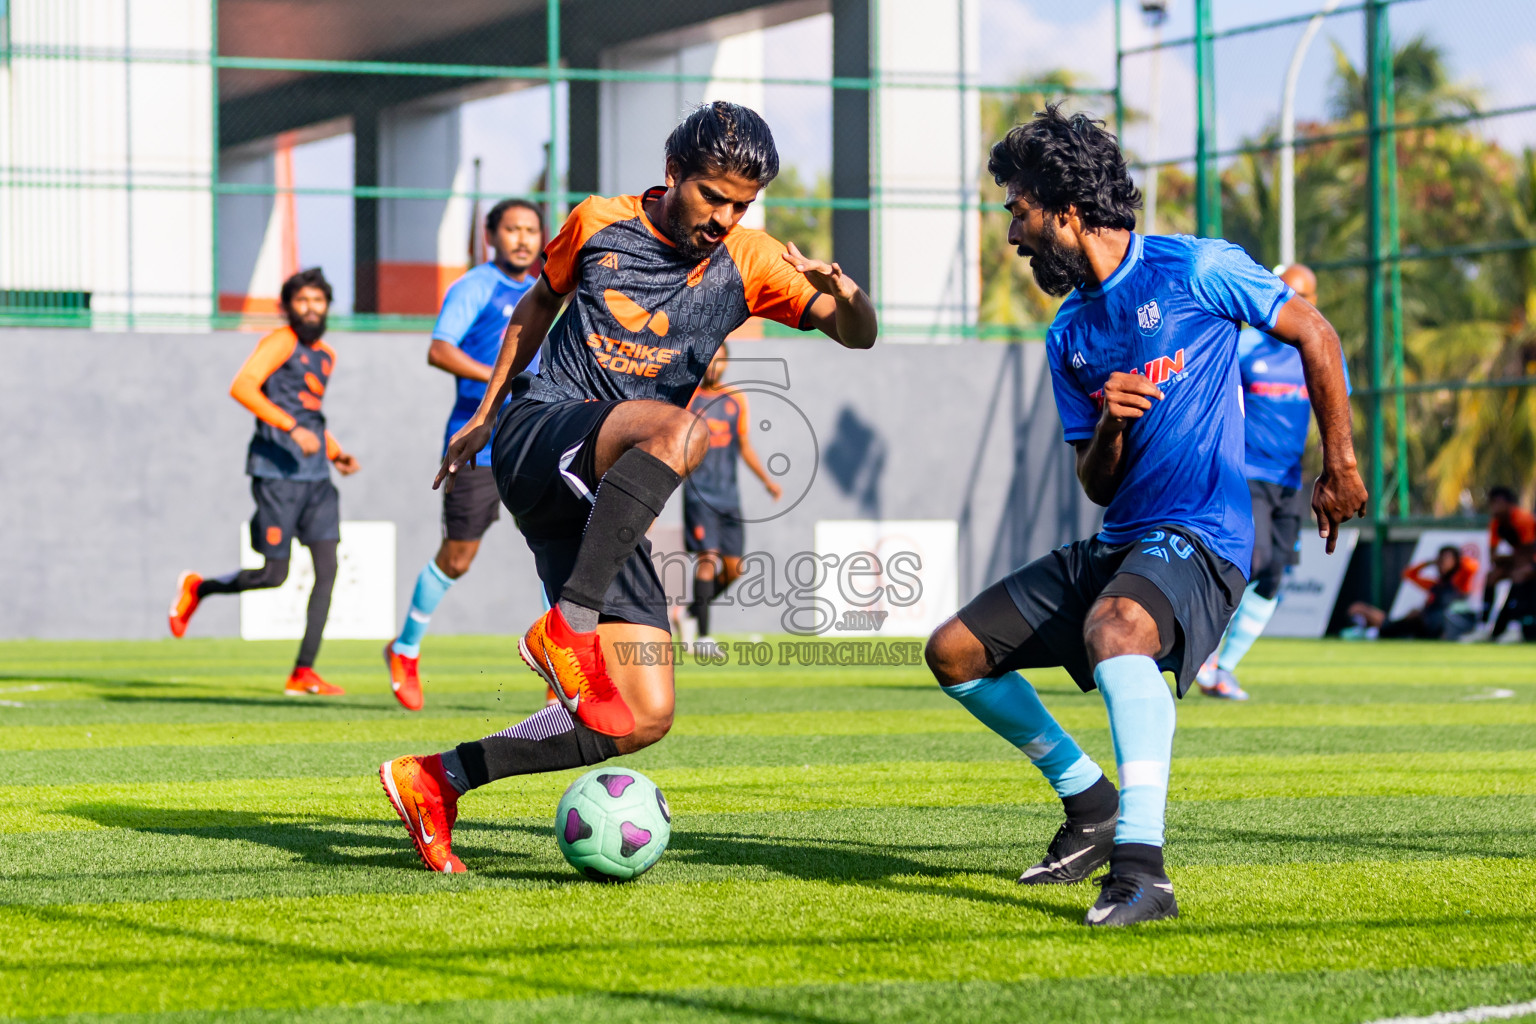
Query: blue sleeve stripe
1076 435
1273 316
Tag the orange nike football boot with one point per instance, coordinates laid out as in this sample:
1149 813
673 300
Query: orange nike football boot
572 664
403 677
185 603
549 695
428 805
306 680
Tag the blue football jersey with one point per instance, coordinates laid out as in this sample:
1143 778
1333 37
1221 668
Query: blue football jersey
1276 407
1171 311
474 317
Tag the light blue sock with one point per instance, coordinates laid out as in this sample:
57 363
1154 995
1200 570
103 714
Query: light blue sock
1009 706
431 585
1141 723
1252 615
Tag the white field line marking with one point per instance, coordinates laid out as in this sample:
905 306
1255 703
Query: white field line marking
1472 1016
1497 693
32 688
11 704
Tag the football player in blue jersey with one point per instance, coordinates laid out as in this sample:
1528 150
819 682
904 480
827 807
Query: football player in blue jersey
1143 359
465 343
1276 417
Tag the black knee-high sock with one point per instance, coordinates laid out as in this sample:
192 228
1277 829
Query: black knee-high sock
324 554
1488 589
629 498
550 741
272 574
703 592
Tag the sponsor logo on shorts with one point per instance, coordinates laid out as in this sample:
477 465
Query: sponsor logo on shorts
274 535
1162 542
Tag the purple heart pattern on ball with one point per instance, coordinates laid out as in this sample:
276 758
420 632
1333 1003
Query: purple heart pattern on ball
575 828
634 838
616 784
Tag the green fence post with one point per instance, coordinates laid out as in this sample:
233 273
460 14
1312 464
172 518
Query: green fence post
552 184
1375 297
213 158
1394 250
1119 77
1207 181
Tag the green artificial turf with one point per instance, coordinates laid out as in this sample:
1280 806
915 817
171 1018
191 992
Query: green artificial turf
182 843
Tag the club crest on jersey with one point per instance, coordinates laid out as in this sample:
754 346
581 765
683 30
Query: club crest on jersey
1148 317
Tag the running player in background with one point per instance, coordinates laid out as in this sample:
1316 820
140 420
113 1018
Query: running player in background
712 526
1276 417
465 342
289 459
586 459
1509 524
1143 358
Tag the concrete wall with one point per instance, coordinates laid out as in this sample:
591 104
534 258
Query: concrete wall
126 466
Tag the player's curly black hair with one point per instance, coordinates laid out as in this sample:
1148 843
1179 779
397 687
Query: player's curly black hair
313 277
723 137
1060 161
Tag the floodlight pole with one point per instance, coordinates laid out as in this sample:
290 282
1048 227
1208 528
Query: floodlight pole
1288 134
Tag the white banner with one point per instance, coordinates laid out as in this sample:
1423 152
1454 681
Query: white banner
1471 542
887 577
1311 588
362 605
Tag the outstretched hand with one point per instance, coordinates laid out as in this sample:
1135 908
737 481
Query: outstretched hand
827 278
462 449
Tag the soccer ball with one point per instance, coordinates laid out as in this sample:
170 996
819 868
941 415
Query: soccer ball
613 824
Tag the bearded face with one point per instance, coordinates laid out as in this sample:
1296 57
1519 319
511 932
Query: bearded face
1057 268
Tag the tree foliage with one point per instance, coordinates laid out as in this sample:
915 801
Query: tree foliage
1464 318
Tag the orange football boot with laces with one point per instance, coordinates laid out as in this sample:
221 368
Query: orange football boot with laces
573 666
403 677
185 603
306 680
428 804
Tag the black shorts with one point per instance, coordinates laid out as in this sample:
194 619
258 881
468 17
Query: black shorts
711 527
543 457
473 504
1277 515
1034 617
307 509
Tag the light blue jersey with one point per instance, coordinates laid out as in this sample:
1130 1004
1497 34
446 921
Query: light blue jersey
474 317
1277 407
1171 311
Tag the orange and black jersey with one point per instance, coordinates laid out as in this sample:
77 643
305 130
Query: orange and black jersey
283 382
644 321
1517 529
724 414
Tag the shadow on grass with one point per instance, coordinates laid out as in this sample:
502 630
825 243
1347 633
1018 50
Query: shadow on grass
315 839
38 677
